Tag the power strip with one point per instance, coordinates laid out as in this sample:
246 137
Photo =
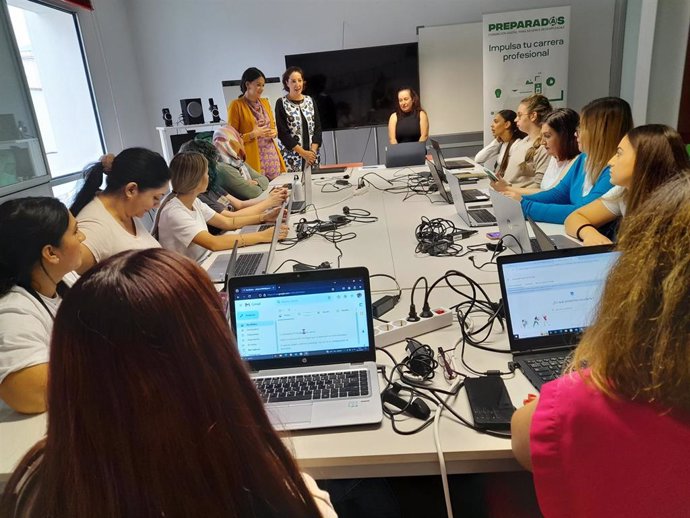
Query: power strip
397 330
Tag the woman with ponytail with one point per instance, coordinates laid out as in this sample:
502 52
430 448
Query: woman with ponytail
39 244
136 181
504 147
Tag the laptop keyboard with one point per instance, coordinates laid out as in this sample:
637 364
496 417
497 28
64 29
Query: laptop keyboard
536 247
483 216
474 195
247 264
306 387
548 369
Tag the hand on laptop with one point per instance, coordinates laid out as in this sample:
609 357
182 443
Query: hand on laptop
594 238
270 215
277 196
514 195
501 185
284 229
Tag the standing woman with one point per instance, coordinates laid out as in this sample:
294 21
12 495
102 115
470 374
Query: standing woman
297 120
252 117
39 244
559 140
136 181
504 147
152 411
409 122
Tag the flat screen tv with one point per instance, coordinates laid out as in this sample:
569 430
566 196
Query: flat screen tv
358 87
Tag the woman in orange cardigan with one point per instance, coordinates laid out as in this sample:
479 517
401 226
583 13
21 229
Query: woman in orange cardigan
252 117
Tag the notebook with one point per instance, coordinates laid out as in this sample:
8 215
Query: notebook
453 163
441 185
511 222
549 299
405 154
251 263
309 341
474 215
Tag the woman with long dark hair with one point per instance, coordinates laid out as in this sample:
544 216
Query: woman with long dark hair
39 244
647 157
152 412
503 147
409 122
252 117
136 181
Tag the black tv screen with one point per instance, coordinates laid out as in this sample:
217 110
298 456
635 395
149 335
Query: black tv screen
358 87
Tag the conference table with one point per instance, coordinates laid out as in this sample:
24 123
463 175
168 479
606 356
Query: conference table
386 246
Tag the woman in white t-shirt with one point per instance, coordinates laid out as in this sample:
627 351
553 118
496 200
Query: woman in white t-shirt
136 181
39 245
559 140
182 220
506 148
647 157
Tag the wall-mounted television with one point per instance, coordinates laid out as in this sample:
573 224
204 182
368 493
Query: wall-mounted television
358 87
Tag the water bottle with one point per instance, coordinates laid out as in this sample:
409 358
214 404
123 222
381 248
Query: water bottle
297 189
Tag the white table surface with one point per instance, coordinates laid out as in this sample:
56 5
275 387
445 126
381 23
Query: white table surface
386 246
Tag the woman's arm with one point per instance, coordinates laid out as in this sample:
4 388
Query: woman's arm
232 221
519 432
489 152
316 138
226 241
25 390
392 123
255 206
595 214
423 126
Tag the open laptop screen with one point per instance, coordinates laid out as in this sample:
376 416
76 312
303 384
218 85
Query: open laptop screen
301 317
553 293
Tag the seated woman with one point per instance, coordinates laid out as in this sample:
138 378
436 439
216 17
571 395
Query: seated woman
230 147
181 222
647 157
39 244
298 123
409 122
503 148
152 412
558 135
226 181
607 439
530 116
603 123
136 181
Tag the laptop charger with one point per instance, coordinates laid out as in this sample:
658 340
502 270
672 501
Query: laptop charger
383 305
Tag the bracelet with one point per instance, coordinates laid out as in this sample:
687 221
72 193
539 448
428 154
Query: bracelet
577 234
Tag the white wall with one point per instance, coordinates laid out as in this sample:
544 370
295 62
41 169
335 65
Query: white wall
161 51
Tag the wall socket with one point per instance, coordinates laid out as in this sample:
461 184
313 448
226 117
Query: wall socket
397 330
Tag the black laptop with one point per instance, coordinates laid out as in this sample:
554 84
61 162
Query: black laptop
452 163
549 299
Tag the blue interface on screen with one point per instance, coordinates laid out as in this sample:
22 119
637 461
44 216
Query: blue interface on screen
555 296
301 319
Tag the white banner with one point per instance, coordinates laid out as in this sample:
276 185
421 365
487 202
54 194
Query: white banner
525 52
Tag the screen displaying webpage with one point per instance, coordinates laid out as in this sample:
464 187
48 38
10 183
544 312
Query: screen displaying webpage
555 296
301 319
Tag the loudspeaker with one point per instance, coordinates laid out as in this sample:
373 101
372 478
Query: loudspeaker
213 108
167 118
192 111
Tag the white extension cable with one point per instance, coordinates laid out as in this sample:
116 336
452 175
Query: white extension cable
439 450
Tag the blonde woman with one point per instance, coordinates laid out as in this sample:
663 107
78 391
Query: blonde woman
603 123
608 438
181 222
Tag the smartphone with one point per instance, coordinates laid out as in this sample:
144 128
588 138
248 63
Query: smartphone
490 174
493 235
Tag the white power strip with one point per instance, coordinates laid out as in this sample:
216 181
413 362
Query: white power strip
397 330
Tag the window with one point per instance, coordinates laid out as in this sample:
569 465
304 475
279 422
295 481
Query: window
51 52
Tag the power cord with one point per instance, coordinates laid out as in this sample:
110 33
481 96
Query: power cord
436 237
384 304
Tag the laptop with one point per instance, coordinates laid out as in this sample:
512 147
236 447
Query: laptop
511 222
259 228
251 263
453 163
405 154
309 341
549 299
441 184
473 216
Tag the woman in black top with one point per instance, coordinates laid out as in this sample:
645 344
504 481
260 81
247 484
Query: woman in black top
409 123
297 122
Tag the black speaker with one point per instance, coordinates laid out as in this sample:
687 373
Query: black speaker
192 111
167 118
213 108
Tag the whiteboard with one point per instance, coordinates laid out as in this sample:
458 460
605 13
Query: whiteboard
273 91
450 77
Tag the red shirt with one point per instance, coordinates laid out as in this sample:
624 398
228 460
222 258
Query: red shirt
596 456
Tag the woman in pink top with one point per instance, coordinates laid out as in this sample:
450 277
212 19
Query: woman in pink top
613 438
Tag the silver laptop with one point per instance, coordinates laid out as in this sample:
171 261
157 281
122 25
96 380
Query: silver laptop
475 215
441 184
264 226
250 263
309 341
453 163
511 222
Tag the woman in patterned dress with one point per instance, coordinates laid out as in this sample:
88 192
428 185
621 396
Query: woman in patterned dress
297 120
252 117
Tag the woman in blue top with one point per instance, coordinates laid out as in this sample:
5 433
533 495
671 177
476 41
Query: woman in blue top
603 123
